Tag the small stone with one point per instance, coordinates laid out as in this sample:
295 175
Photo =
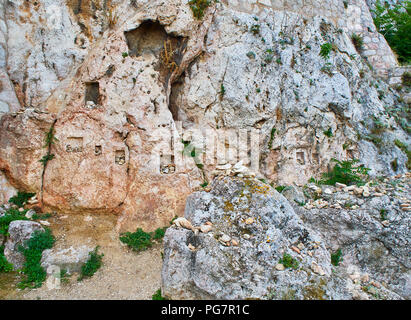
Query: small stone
29 214
88 218
183 223
21 209
317 269
249 221
44 223
385 223
191 247
340 185
365 278
234 242
328 191
280 267
296 249
300 246
209 223
205 228
225 238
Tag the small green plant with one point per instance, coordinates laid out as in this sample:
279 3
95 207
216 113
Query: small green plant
327 68
49 138
255 29
21 198
278 60
251 55
222 91
270 142
32 252
336 257
158 296
358 42
280 188
44 216
406 79
328 133
93 263
46 159
378 126
289 262
204 184
394 164
5 266
64 276
345 172
124 54
198 7
383 214
326 50
404 148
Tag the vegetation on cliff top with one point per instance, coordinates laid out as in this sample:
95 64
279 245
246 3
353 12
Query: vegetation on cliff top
394 23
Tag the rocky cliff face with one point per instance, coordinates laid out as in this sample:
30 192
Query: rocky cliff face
126 86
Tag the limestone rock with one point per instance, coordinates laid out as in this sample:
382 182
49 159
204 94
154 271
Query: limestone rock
70 259
238 272
20 231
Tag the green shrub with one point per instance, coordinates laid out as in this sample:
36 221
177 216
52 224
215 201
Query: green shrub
394 23
10 216
289 262
198 7
5 266
32 252
336 257
406 79
21 198
358 42
140 240
326 50
345 172
93 263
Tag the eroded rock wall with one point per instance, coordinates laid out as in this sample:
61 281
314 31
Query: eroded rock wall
121 82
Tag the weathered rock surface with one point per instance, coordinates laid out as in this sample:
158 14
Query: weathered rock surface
20 231
374 236
265 226
70 259
122 83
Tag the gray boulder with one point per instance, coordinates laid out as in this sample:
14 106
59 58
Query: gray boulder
19 231
70 259
253 226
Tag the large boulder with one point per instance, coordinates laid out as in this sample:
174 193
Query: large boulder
20 231
253 228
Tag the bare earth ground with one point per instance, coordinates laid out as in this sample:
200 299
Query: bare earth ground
124 274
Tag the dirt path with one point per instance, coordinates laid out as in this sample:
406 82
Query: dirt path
124 274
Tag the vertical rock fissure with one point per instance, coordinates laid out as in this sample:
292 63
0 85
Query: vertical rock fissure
45 163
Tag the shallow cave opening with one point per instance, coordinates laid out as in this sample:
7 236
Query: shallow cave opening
92 93
149 37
